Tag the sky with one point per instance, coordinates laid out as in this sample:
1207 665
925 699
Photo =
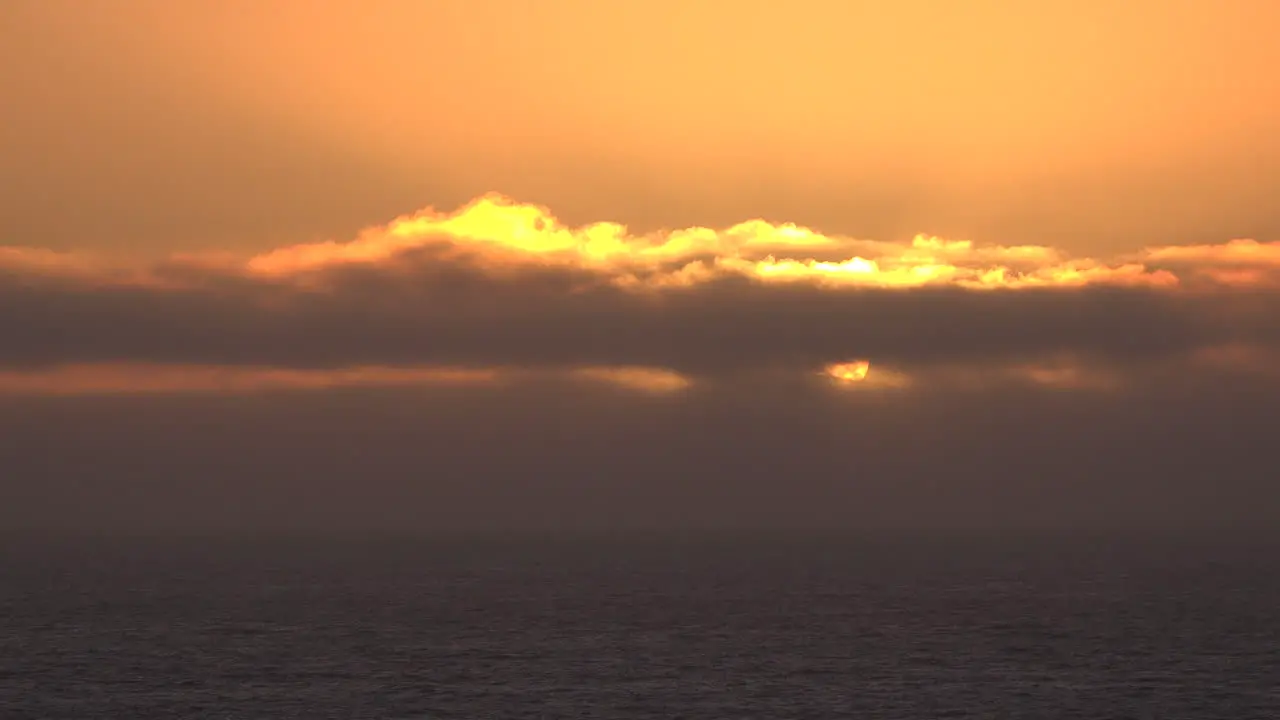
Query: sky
411 266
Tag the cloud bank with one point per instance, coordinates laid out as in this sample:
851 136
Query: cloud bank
503 286
492 368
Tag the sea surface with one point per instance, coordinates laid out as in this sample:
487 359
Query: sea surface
660 627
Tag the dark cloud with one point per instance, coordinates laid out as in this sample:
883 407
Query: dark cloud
1178 446
434 308
1174 453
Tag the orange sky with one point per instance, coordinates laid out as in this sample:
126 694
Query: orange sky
1092 125
979 145
555 263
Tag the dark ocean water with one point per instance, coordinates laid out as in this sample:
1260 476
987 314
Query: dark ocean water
639 629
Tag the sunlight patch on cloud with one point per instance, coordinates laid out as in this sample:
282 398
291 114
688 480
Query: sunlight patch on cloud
1240 263
849 372
859 375
149 378
51 263
1239 251
1066 376
1060 374
131 378
652 380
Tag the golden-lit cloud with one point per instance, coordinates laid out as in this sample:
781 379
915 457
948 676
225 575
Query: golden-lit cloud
1240 251
497 232
504 232
501 284
1238 263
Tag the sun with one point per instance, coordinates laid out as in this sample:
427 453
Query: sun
848 372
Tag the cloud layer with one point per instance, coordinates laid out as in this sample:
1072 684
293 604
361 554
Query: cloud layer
1191 456
490 368
498 284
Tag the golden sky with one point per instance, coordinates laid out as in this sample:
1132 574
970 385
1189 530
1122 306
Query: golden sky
411 263
1092 125
232 160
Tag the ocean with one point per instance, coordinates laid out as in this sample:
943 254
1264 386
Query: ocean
639 627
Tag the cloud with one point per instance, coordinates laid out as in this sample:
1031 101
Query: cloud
1240 263
1183 452
504 232
501 285
110 379
491 368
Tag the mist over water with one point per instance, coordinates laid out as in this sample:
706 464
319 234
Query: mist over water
713 625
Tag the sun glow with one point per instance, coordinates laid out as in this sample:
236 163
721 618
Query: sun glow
849 372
